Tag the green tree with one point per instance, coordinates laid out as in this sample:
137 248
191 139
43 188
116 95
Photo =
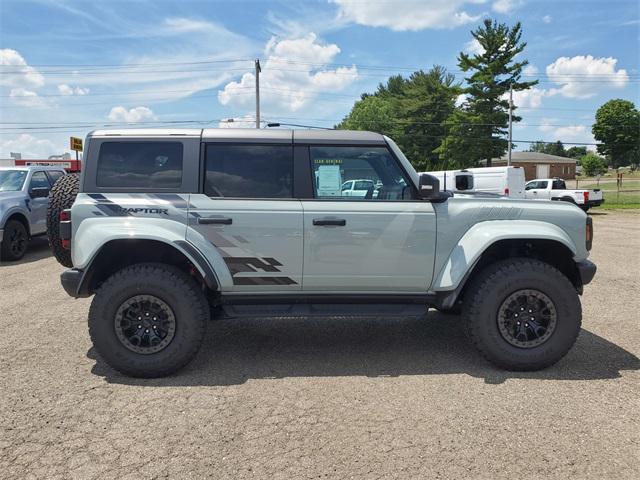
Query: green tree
576 152
593 164
372 112
550 148
617 128
492 72
411 111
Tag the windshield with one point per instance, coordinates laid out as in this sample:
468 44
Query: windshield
12 180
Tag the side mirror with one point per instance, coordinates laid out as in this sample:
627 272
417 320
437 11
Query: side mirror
39 192
429 189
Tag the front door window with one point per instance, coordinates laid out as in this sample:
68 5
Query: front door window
358 173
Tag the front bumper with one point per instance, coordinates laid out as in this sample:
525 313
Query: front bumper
71 280
586 270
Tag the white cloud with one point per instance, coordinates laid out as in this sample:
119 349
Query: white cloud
584 76
26 98
530 70
67 90
461 99
566 133
408 14
530 98
286 86
505 6
547 19
16 72
473 47
247 121
133 115
29 146
182 25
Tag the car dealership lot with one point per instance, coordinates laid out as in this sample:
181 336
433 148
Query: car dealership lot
330 398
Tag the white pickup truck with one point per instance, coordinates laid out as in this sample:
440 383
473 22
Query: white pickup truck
556 189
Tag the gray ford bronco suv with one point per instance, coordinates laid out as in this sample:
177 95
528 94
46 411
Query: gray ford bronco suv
172 227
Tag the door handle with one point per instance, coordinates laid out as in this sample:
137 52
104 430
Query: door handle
215 220
333 222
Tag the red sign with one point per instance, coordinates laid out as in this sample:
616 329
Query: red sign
68 165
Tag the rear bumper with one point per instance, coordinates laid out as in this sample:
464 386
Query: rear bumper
71 281
594 203
586 270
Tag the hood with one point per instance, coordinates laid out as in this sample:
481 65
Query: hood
8 199
9 195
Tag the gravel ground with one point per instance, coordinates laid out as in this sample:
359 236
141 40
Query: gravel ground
322 398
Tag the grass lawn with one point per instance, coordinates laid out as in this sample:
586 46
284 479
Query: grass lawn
614 199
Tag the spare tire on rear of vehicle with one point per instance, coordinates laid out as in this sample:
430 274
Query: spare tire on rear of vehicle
61 197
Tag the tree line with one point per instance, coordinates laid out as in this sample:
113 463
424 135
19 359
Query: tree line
443 124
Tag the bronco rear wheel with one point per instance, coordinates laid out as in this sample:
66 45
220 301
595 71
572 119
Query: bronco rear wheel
522 314
148 320
61 197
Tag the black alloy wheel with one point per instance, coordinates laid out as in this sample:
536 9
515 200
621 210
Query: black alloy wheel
145 324
527 318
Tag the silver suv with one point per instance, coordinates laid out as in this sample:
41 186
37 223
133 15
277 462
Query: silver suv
23 206
171 227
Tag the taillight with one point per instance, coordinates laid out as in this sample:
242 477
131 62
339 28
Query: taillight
506 191
586 196
64 229
589 233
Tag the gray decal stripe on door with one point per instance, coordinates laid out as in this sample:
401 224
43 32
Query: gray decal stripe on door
264 281
175 200
248 264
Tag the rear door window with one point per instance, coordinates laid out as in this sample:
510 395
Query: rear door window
54 175
249 171
39 180
140 165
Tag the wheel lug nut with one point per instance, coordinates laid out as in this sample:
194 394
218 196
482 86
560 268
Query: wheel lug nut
146 330
516 315
139 318
147 314
139 326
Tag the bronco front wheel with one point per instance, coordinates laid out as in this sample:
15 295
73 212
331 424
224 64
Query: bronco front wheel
522 314
148 320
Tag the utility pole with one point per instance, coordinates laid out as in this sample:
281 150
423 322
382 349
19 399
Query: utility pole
510 122
258 70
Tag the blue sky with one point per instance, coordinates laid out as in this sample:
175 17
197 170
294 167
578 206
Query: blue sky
67 67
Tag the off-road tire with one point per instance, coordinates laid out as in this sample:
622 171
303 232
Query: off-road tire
7 251
61 197
493 285
167 283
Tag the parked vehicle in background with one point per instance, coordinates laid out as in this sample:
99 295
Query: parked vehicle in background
507 181
363 188
556 189
172 226
454 180
23 206
504 181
